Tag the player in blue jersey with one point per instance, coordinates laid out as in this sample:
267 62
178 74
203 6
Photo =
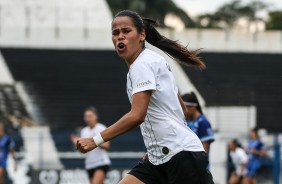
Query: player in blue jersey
197 121
256 150
6 146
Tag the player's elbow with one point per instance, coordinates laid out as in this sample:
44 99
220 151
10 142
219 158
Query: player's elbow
138 118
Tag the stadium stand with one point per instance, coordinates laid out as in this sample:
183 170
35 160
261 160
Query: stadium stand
70 80
64 82
13 114
243 79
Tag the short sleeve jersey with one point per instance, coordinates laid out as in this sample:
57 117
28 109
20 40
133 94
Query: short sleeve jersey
164 130
239 157
6 143
202 127
257 145
97 157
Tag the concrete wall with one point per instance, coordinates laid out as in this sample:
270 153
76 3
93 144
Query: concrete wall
86 24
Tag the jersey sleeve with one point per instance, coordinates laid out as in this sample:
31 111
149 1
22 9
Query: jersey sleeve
142 78
82 133
243 156
11 144
205 132
260 146
102 127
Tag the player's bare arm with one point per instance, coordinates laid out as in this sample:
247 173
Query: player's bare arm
136 116
105 146
206 145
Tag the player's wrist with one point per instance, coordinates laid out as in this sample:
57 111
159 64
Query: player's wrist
98 140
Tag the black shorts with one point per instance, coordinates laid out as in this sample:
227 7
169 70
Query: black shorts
104 168
184 167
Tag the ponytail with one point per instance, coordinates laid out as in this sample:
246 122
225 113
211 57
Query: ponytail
172 48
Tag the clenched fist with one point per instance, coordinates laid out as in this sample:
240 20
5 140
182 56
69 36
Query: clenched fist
85 145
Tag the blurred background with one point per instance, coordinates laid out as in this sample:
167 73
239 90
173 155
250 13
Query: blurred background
56 58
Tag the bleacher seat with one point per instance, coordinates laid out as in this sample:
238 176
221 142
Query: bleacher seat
12 106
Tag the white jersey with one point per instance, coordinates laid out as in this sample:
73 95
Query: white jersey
98 156
239 157
164 130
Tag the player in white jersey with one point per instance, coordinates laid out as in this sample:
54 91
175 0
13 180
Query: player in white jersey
97 161
175 153
239 158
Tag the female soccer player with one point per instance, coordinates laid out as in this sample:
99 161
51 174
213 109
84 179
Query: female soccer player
197 121
97 161
239 158
6 146
175 153
256 150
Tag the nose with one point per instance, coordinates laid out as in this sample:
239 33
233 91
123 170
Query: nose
121 36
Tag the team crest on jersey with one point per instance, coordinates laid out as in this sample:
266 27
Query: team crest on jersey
143 84
168 67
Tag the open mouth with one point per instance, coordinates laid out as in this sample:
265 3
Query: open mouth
121 46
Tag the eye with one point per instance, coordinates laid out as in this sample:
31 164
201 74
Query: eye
127 30
115 32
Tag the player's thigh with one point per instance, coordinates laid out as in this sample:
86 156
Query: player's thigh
130 179
2 170
98 177
234 179
2 175
247 180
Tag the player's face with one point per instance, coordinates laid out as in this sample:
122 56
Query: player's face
1 131
126 39
90 118
231 146
191 111
252 135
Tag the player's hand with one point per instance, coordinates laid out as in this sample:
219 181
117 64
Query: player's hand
74 138
85 145
145 157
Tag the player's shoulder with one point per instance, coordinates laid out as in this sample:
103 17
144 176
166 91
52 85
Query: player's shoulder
203 120
85 129
100 126
240 150
7 137
149 57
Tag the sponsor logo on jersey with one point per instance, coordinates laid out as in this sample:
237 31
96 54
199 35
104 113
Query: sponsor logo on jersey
143 84
168 67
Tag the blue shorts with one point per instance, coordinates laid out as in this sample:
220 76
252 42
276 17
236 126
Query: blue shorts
252 168
3 164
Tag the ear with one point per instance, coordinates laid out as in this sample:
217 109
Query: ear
142 36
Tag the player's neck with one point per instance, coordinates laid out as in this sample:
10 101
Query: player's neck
196 115
92 126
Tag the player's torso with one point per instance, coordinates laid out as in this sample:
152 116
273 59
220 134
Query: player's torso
164 130
4 149
98 156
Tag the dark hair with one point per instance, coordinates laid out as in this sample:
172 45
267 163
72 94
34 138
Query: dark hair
192 98
92 109
236 143
172 48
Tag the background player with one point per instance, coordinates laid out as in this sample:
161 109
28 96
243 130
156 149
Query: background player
197 121
97 161
239 158
256 150
6 146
